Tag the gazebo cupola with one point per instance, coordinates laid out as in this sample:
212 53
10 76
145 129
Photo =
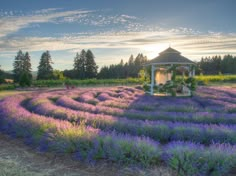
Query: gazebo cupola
161 67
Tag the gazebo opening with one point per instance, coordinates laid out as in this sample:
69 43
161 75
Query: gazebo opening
163 74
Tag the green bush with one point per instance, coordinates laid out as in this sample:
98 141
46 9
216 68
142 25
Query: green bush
7 87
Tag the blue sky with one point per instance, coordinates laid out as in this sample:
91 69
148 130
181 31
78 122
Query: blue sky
114 29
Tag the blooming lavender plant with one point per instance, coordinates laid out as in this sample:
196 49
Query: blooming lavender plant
194 136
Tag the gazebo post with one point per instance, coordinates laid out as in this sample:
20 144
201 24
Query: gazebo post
190 72
152 81
193 72
171 71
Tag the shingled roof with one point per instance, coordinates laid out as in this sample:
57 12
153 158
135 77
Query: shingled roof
170 56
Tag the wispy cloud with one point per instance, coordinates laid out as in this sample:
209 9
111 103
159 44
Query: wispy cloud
11 24
146 41
11 21
122 35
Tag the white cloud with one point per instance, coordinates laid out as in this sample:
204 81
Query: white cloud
130 37
11 24
148 42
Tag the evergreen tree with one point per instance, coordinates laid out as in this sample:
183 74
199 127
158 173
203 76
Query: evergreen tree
123 70
1 76
45 70
70 74
25 79
18 66
27 64
90 65
26 75
79 64
76 61
104 73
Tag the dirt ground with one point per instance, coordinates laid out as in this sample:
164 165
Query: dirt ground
17 159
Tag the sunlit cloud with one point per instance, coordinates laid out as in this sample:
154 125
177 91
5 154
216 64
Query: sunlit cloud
149 42
121 36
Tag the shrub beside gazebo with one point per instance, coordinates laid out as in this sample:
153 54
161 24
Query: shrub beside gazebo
163 74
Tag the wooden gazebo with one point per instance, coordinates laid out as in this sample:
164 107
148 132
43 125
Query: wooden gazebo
165 61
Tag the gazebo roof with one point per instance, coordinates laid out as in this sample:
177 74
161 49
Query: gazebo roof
170 56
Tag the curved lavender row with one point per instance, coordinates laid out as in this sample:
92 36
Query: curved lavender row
91 144
195 159
86 143
224 99
158 130
199 117
212 104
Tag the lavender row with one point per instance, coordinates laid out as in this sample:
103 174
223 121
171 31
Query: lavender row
89 144
85 143
194 159
206 102
158 130
198 117
206 99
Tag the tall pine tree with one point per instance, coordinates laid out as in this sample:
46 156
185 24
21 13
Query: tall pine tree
1 75
45 70
25 75
79 64
18 66
27 64
90 65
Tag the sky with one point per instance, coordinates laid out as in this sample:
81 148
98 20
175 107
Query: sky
115 29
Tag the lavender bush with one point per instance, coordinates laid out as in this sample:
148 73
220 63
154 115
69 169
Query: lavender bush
194 136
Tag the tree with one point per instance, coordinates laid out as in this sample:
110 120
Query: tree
123 70
25 79
27 64
45 70
216 65
57 74
22 69
79 64
90 65
104 73
1 76
26 75
70 74
18 66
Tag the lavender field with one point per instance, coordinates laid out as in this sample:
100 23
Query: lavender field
192 135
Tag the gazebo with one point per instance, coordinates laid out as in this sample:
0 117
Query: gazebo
164 67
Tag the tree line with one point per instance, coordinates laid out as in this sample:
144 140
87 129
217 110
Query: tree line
85 67
130 68
217 65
